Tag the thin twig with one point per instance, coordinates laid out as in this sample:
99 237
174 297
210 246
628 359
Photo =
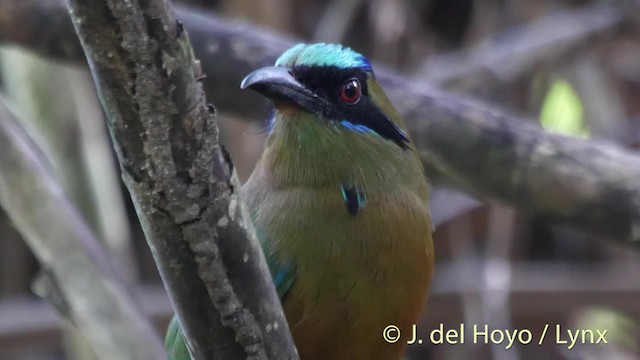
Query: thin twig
335 20
516 51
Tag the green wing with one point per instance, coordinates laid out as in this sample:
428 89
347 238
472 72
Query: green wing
283 276
175 343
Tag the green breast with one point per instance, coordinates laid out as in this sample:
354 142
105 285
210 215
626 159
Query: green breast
301 217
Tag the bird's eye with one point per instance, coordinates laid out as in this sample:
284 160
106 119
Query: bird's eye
350 92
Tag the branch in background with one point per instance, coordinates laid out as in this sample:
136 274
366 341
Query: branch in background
604 109
447 204
181 180
334 22
588 184
513 53
93 294
463 143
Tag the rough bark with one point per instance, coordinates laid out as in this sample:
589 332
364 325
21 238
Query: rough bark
88 290
181 180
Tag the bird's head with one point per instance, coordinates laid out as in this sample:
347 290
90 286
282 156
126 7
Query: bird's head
334 83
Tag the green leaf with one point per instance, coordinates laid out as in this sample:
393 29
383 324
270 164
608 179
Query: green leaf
621 329
562 111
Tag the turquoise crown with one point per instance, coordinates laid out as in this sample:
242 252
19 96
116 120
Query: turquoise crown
323 54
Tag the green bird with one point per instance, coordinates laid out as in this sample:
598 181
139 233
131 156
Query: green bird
340 205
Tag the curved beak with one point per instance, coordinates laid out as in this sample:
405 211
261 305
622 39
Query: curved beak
277 84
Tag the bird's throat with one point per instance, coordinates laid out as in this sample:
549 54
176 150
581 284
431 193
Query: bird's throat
306 151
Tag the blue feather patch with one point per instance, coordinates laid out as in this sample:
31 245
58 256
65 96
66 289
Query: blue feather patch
357 127
283 279
353 199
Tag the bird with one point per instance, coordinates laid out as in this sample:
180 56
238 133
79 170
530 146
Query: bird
339 202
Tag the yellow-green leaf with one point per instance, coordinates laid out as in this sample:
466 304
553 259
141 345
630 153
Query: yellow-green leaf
562 111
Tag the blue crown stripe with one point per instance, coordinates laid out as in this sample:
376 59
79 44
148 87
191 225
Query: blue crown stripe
323 54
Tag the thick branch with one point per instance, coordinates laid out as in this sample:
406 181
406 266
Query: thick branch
181 180
468 145
93 296
591 185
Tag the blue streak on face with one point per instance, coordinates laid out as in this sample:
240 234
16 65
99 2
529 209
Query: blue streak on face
357 127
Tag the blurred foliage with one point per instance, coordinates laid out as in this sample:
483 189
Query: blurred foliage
622 330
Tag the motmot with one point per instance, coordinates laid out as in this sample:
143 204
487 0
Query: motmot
339 202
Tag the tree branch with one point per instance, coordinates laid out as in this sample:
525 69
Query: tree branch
465 143
181 180
591 185
516 51
92 295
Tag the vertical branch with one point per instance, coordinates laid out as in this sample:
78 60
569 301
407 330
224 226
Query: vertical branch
181 180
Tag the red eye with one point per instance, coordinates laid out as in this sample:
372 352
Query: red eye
350 92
